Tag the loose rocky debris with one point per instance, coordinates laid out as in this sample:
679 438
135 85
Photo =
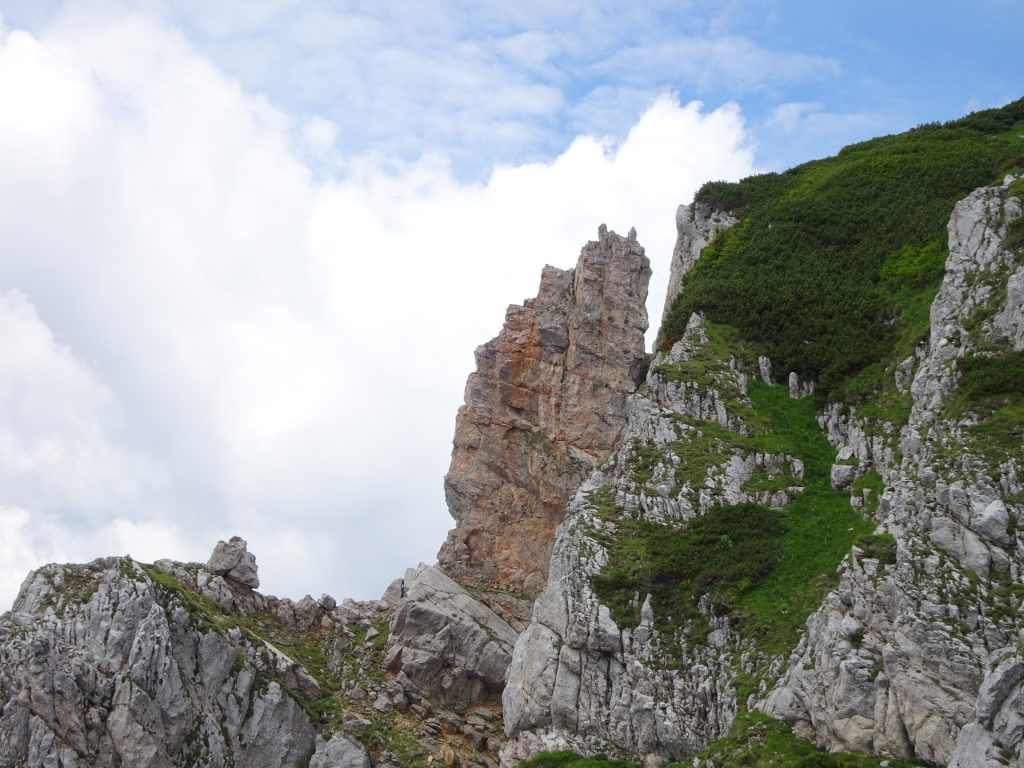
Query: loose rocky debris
120 663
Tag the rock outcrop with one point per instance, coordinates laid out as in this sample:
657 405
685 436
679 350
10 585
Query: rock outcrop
696 226
104 666
447 646
545 406
918 653
119 663
232 560
578 680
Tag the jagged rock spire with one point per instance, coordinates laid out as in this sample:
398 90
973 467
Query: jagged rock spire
545 405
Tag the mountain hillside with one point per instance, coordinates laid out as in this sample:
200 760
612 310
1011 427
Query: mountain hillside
789 537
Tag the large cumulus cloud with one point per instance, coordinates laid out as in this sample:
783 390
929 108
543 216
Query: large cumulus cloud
215 324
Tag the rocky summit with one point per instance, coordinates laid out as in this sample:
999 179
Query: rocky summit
789 537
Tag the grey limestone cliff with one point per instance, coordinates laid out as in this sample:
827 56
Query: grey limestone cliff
919 653
446 645
118 663
102 666
580 681
696 226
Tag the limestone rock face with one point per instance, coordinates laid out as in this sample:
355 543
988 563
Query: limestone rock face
446 645
102 667
545 405
921 655
696 226
917 652
232 560
339 752
579 681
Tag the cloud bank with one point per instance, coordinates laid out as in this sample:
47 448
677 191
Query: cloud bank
214 324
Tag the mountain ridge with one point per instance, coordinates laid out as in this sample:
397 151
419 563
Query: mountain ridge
839 552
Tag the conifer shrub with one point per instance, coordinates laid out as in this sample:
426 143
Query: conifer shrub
987 376
822 271
722 552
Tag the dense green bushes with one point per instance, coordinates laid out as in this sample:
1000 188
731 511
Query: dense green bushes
771 568
984 376
812 272
722 552
913 267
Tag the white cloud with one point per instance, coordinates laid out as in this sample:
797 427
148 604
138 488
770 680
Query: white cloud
788 117
222 340
480 81
819 130
56 423
812 120
25 545
30 540
731 61
319 135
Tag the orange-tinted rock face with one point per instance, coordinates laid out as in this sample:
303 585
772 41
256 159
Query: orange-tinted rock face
545 405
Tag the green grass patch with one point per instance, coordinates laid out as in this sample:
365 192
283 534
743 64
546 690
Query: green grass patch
754 741
705 445
991 389
758 740
879 546
644 460
999 435
820 529
396 733
828 254
766 481
1014 239
573 760
771 568
984 376
870 481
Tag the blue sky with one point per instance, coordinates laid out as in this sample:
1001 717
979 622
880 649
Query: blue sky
248 247
484 83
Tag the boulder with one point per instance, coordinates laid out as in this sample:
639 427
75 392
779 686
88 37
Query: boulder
232 560
446 645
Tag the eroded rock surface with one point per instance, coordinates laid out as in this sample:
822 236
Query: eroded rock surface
917 652
101 666
118 663
446 645
696 226
233 560
579 681
545 406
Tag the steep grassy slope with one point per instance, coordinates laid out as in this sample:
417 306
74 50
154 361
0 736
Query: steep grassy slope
835 262
768 568
831 272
